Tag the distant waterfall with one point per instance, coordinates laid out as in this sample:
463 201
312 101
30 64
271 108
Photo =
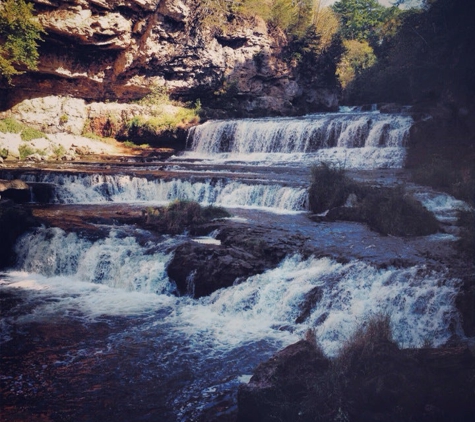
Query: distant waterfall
379 139
126 189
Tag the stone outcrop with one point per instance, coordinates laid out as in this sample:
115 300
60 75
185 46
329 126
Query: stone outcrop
16 190
199 270
369 382
121 49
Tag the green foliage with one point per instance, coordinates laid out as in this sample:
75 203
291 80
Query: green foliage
164 121
19 33
130 144
27 133
329 188
63 119
386 210
92 135
430 58
157 97
449 175
10 125
358 56
4 153
25 150
59 151
180 215
392 211
361 20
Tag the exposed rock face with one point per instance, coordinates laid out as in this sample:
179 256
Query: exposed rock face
199 270
119 49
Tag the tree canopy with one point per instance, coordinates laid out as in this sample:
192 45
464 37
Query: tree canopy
19 36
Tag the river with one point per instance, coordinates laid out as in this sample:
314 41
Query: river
92 329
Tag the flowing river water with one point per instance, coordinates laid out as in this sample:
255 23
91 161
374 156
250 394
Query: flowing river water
93 329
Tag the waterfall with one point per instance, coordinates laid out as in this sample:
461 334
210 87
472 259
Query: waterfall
128 189
419 302
95 276
116 261
355 140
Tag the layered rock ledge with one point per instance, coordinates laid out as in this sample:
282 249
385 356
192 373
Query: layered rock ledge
119 50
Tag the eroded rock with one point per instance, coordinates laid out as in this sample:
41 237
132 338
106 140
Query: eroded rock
121 49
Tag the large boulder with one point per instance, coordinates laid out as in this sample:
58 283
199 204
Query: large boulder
16 190
200 269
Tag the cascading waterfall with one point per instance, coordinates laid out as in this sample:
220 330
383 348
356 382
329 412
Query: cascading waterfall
420 301
173 356
353 140
96 188
116 261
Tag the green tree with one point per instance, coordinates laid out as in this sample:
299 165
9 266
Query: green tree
360 19
19 36
358 56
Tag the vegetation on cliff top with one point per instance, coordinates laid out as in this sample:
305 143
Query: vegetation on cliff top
19 36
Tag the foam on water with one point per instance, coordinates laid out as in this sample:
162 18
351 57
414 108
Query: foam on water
69 296
128 189
443 206
419 302
114 261
379 140
116 276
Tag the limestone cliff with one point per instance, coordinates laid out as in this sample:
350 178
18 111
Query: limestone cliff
102 50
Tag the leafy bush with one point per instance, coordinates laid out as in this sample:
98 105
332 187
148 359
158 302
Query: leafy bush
19 33
386 210
29 133
4 153
392 211
10 125
329 188
25 150
180 215
164 121
451 175
59 151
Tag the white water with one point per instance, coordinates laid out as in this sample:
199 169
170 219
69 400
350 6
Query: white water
116 276
379 138
444 207
74 189
117 261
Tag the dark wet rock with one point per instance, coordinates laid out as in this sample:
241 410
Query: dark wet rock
311 299
16 190
41 192
373 381
200 269
281 380
14 221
